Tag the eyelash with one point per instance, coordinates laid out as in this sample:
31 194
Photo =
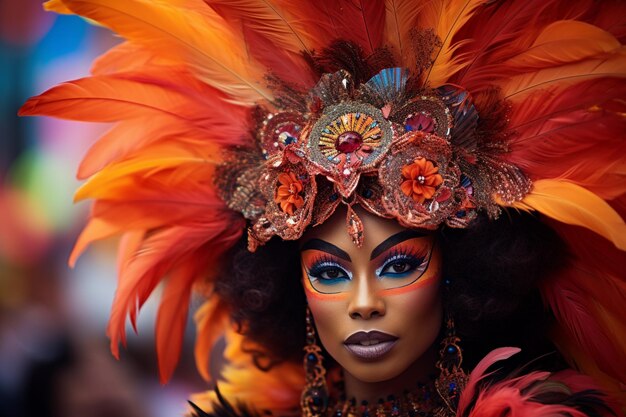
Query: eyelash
326 263
414 258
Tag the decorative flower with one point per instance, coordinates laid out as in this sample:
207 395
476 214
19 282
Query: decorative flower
421 179
288 194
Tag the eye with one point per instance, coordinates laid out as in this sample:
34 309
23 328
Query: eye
400 266
332 273
328 273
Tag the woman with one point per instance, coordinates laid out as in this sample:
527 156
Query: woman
379 151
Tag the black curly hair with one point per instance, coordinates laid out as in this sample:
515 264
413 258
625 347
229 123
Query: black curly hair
491 272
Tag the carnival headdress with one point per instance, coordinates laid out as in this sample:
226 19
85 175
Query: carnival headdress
266 115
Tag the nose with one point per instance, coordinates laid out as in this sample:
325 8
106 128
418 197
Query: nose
365 303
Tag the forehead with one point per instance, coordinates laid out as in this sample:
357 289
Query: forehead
334 230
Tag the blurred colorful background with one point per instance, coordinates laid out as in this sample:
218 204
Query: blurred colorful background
54 354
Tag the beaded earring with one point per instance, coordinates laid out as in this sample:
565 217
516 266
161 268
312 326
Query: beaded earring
314 399
452 379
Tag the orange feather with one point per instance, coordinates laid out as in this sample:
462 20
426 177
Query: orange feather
278 390
126 140
611 64
401 19
129 57
571 204
562 42
447 17
211 320
272 23
196 38
56 6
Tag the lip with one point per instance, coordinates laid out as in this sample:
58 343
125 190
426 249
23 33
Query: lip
370 345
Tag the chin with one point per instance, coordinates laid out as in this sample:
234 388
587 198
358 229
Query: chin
372 373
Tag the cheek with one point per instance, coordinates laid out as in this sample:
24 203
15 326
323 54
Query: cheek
418 306
330 327
419 302
327 311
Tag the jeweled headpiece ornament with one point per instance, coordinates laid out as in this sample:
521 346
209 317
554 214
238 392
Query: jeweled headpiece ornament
412 154
267 115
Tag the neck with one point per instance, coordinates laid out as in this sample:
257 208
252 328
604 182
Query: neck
419 372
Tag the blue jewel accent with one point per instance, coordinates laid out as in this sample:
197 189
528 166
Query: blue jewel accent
326 130
290 139
389 83
367 193
311 358
465 182
358 115
333 197
408 128
374 124
460 214
451 349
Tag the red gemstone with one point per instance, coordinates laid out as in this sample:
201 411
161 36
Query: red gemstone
348 142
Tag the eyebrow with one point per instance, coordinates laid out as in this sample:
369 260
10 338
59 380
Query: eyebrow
393 240
322 245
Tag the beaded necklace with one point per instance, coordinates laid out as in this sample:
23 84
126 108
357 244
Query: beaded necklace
424 402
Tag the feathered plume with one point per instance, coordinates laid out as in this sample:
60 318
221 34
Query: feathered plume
191 34
535 394
278 390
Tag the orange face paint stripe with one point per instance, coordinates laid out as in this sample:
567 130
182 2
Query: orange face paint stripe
419 283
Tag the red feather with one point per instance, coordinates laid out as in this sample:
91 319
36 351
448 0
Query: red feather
200 242
569 133
172 315
359 21
479 373
126 96
521 396
519 23
574 310
287 66
588 301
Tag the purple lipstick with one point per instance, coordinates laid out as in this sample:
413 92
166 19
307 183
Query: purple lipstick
370 345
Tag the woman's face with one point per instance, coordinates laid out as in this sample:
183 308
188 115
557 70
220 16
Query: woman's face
377 309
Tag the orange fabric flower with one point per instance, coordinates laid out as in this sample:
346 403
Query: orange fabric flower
421 180
288 193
